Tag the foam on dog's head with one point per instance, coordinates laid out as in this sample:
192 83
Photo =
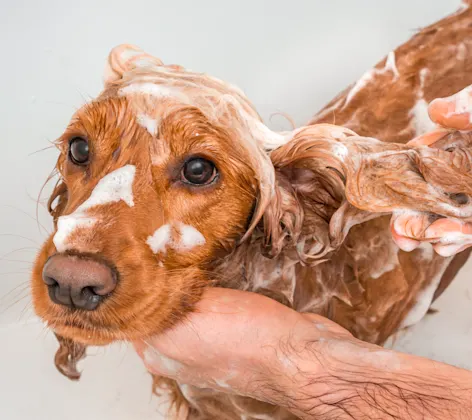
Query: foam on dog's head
148 84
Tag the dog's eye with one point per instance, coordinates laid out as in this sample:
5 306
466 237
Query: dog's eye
79 151
198 171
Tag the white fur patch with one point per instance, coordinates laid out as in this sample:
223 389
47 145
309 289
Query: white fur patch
112 188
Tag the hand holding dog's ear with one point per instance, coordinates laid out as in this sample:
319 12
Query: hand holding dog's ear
448 236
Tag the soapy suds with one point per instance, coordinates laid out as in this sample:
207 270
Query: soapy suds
189 237
461 52
340 150
452 242
150 124
360 84
423 300
223 382
168 366
388 265
66 225
112 188
426 250
421 121
390 66
153 89
419 113
129 53
162 238
159 239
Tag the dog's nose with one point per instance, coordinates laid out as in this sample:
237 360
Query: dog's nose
78 282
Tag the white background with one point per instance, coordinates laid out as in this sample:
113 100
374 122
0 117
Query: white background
290 56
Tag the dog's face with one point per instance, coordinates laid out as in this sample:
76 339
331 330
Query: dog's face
160 176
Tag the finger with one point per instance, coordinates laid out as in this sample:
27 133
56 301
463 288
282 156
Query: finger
429 139
404 243
449 236
454 111
406 228
442 227
450 250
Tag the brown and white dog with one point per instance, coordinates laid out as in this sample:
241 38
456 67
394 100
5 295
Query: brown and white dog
170 183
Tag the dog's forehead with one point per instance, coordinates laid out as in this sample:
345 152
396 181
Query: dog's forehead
152 89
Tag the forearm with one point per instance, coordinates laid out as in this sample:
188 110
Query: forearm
354 380
250 345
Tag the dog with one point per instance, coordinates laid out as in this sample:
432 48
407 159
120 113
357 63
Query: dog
169 183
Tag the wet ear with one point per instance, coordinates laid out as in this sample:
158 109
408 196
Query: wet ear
58 200
309 189
125 58
67 357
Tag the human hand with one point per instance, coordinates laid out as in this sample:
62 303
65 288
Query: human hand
235 341
448 236
246 344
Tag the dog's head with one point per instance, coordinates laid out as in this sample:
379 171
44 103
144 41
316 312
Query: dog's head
161 175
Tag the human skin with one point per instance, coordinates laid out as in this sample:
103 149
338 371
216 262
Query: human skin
248 344
448 236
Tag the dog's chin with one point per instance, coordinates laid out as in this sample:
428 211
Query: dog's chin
88 337
98 334
93 336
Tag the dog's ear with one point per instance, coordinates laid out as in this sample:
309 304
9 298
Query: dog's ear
309 188
67 357
58 200
125 58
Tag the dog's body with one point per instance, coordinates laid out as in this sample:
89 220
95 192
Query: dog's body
274 213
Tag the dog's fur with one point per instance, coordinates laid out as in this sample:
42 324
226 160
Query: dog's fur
276 219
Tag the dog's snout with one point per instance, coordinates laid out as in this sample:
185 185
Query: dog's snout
78 282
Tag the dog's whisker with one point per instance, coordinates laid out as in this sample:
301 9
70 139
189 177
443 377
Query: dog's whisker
13 304
20 287
36 219
41 150
21 237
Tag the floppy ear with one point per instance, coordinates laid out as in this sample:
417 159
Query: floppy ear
309 189
67 356
58 200
328 180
